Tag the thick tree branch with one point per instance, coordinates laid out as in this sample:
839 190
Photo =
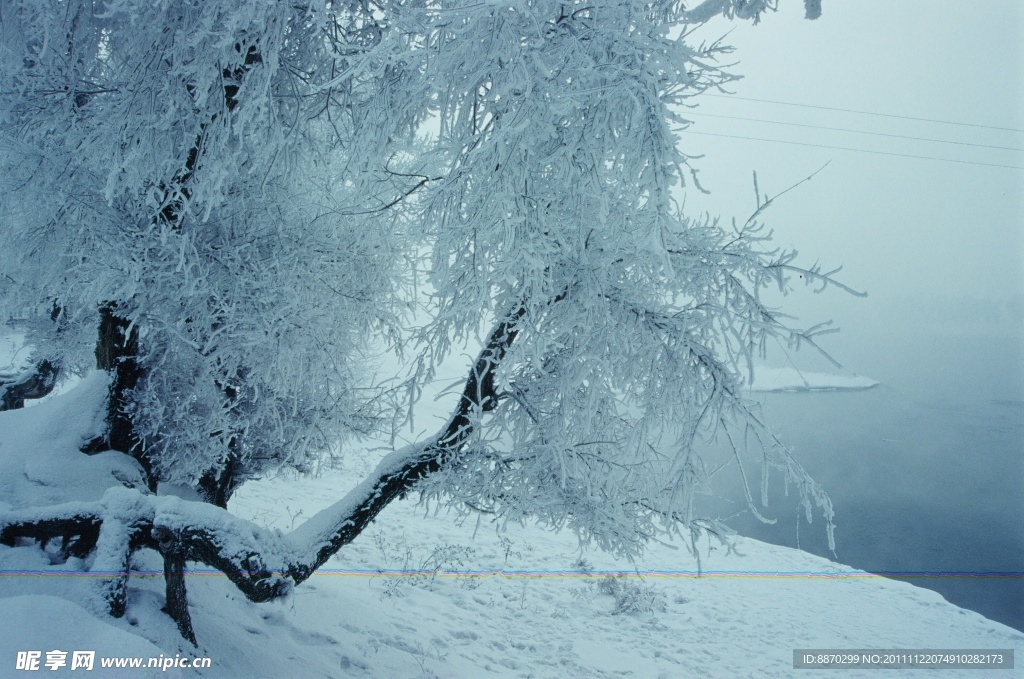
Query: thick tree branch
263 565
336 526
34 383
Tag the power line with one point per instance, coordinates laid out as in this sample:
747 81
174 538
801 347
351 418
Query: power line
844 129
866 113
846 148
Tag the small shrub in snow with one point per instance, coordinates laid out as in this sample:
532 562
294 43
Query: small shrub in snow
632 598
629 597
402 568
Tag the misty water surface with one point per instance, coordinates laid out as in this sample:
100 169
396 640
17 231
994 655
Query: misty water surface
925 471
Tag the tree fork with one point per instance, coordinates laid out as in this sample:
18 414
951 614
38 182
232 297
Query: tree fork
218 484
256 581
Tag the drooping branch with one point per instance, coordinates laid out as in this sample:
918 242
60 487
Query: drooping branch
744 9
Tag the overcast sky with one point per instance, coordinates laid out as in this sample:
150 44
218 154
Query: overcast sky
899 226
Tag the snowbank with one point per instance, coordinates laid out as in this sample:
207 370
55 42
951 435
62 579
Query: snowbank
40 458
791 379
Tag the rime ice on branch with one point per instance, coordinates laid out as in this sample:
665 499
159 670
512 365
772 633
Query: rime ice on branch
247 190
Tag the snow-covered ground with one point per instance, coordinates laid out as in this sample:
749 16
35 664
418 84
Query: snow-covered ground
536 606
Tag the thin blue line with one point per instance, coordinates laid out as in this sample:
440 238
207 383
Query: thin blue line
512 573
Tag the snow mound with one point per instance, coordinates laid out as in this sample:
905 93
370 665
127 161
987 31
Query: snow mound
40 458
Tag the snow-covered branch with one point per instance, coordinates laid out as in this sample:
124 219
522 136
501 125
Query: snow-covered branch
35 382
263 564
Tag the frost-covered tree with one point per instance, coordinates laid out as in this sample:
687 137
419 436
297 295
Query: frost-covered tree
242 191
177 175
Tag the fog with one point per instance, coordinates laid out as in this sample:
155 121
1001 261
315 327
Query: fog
925 471
900 226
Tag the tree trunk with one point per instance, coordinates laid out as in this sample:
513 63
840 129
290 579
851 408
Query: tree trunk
117 351
174 577
218 484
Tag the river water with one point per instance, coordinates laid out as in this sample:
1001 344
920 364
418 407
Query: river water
926 471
